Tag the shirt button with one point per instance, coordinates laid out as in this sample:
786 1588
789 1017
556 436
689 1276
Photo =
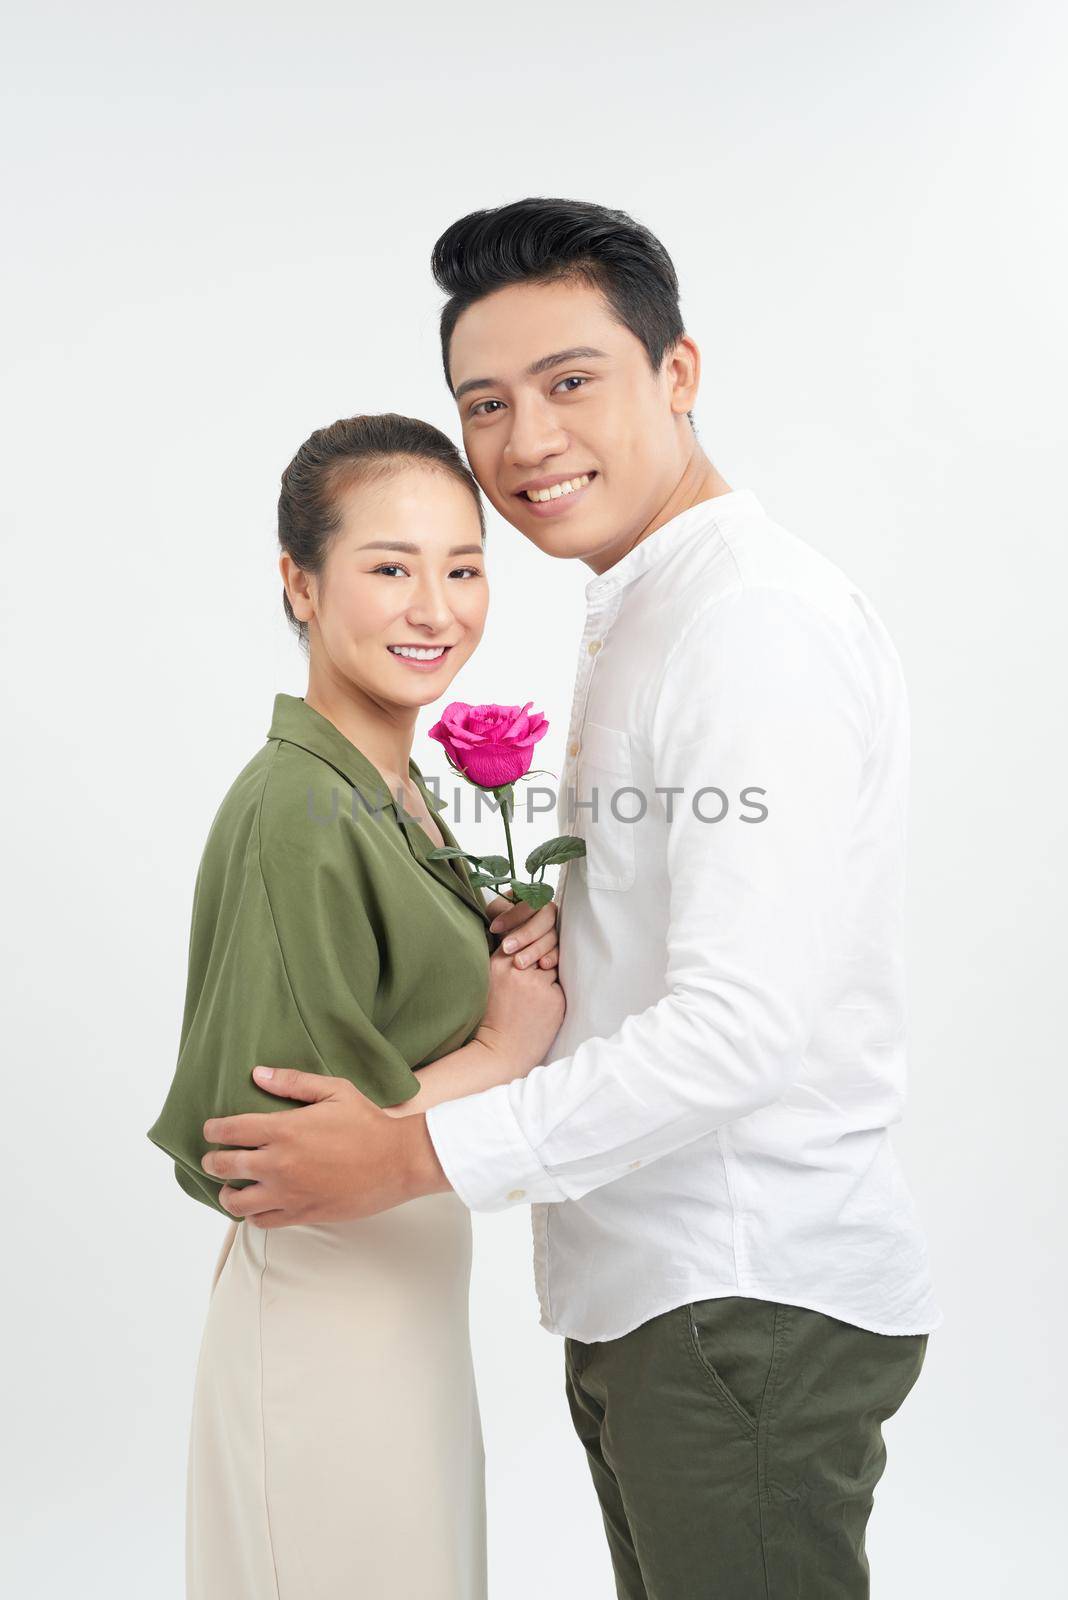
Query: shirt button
516 1194
634 1164
594 646
573 748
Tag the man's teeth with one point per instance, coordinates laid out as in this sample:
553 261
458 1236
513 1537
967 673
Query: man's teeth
567 487
417 655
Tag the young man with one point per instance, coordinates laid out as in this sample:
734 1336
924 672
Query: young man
722 1233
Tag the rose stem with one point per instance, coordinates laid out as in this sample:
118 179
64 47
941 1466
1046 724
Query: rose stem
507 833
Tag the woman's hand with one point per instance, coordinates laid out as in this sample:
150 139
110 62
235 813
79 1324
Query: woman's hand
523 1014
527 936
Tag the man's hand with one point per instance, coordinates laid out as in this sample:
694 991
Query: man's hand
336 1157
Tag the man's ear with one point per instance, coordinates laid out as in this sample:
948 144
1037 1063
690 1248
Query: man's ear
683 370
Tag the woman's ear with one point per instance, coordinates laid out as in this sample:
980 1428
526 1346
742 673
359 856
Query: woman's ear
684 375
299 588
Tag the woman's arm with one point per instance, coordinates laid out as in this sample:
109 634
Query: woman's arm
466 1071
523 1016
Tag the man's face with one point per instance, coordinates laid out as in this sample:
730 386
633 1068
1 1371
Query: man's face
555 394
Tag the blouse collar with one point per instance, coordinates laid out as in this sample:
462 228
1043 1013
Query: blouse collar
298 723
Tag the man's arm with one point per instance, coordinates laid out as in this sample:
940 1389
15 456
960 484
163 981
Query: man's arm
338 1155
763 689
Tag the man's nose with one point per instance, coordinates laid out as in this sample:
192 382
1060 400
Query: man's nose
535 435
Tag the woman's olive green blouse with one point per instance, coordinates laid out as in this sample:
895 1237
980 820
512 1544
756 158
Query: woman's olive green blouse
322 938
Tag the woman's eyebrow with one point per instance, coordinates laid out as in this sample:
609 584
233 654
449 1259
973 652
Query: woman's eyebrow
416 550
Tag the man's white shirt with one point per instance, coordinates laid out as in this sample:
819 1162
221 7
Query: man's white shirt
714 1119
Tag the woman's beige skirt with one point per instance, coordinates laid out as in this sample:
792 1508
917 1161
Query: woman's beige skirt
336 1447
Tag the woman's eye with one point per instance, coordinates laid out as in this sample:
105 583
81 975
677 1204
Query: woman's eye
470 572
391 566
479 409
569 385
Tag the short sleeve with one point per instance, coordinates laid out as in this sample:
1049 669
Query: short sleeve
324 921
284 966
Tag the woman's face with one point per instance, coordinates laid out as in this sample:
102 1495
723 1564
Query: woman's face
401 602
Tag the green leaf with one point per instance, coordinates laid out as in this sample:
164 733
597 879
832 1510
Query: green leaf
449 852
535 894
482 880
496 866
553 851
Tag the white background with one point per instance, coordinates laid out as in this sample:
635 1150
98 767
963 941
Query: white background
218 225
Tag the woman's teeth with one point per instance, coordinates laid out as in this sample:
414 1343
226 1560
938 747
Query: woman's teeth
567 487
417 655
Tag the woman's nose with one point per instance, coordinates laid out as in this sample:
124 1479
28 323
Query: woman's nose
430 609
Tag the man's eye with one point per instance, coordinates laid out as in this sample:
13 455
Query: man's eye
574 382
479 409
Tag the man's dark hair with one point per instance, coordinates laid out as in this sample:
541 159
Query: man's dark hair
539 241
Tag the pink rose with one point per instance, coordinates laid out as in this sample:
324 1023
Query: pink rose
491 745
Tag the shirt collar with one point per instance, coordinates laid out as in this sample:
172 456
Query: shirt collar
667 538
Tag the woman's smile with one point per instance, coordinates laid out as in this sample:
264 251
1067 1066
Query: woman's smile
422 657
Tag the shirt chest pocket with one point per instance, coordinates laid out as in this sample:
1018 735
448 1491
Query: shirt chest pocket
601 812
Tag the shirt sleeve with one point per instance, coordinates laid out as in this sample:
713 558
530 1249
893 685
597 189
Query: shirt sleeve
284 967
763 690
322 917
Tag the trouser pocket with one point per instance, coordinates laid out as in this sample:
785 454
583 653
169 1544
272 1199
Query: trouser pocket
231 1235
733 1343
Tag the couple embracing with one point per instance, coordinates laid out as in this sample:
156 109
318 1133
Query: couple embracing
690 1077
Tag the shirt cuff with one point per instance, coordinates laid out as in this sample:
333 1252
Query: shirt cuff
485 1155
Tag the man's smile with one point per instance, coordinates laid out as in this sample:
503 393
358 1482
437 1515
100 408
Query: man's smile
548 496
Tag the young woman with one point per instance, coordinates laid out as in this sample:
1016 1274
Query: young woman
336 1446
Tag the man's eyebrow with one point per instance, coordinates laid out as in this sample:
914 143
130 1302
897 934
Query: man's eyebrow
579 352
476 383
415 550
